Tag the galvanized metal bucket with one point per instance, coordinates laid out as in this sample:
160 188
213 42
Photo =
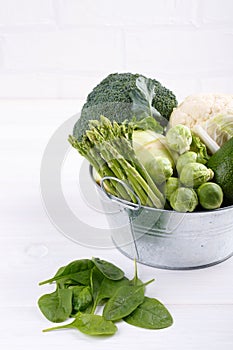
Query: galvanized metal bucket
168 239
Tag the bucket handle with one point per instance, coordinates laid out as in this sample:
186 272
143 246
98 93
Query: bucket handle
125 203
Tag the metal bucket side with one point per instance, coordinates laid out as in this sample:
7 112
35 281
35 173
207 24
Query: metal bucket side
169 239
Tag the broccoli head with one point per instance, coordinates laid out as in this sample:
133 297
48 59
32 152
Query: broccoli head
112 97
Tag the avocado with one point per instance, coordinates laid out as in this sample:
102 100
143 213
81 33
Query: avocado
221 163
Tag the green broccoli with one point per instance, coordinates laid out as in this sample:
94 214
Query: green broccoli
116 96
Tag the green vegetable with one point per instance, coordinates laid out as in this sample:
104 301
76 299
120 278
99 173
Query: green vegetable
122 298
150 314
108 269
108 148
210 195
124 301
200 149
160 169
142 98
62 283
222 165
81 298
195 174
141 138
77 271
208 142
107 288
122 96
153 153
185 158
148 124
89 324
56 306
135 281
184 199
171 185
220 128
179 138
96 280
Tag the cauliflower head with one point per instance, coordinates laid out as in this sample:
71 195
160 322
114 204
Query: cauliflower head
198 109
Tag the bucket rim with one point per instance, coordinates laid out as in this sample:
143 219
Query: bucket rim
113 198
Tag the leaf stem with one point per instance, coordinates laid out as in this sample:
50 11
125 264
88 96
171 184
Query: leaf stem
46 281
57 327
150 281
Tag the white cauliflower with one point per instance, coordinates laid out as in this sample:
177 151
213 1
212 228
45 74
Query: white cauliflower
198 109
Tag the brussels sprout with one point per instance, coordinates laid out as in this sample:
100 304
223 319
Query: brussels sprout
210 195
195 174
171 185
179 138
184 199
160 169
185 158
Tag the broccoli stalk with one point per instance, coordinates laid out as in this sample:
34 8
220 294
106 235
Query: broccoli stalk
108 148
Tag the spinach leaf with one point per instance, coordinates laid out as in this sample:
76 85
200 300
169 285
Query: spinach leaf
108 269
125 300
63 282
108 287
77 271
150 314
84 284
56 306
81 298
102 287
96 279
90 324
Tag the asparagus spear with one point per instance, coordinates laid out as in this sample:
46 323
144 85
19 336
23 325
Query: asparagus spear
108 147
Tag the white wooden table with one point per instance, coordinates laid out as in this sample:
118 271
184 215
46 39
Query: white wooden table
32 249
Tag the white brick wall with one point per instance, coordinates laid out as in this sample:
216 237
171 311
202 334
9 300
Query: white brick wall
26 12
125 12
62 48
217 12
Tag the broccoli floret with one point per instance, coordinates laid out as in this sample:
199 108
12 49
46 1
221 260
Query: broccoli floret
112 98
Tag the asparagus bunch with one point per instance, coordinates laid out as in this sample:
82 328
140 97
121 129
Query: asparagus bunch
108 147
